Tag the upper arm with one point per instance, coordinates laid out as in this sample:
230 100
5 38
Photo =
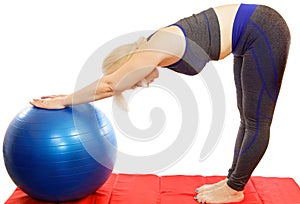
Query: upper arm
168 42
165 47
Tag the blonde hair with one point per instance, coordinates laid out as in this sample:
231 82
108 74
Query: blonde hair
116 59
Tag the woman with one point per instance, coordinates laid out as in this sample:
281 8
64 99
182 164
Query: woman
259 39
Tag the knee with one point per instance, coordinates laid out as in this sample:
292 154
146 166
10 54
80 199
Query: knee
255 123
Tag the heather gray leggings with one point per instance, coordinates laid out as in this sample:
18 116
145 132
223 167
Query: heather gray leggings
259 62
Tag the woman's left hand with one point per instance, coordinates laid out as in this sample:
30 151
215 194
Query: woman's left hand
50 102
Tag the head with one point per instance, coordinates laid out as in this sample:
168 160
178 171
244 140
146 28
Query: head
120 56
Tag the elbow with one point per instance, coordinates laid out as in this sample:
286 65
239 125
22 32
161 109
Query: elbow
104 90
116 86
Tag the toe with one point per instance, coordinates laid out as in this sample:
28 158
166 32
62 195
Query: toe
199 198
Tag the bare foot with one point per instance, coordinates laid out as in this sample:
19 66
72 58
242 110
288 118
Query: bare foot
222 194
209 187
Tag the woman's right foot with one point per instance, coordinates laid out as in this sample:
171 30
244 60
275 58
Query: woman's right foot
210 187
222 194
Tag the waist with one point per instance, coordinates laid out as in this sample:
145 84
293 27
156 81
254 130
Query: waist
226 15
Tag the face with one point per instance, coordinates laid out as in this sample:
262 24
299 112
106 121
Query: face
148 79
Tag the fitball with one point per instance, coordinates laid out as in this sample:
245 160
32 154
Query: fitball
60 155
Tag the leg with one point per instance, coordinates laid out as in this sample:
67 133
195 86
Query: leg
210 188
261 76
258 99
257 111
238 61
261 73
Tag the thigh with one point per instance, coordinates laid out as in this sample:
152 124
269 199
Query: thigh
237 68
260 84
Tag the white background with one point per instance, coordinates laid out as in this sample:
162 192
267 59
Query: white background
44 44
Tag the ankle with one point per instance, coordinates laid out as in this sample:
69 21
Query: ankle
233 191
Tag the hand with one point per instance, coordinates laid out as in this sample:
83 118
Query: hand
147 80
50 102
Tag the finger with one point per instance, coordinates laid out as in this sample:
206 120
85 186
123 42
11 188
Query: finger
32 103
139 84
148 78
52 96
144 83
36 104
40 101
49 96
36 100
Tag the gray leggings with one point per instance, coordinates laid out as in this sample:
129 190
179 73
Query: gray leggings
259 62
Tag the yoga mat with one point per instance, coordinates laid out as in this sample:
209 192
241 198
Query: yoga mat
178 189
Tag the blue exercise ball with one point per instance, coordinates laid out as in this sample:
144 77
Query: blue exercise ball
60 155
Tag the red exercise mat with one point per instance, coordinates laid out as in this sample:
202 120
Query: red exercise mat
152 189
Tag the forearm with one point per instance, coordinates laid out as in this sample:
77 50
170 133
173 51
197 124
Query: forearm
97 90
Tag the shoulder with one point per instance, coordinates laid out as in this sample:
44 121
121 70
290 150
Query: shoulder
169 42
169 33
